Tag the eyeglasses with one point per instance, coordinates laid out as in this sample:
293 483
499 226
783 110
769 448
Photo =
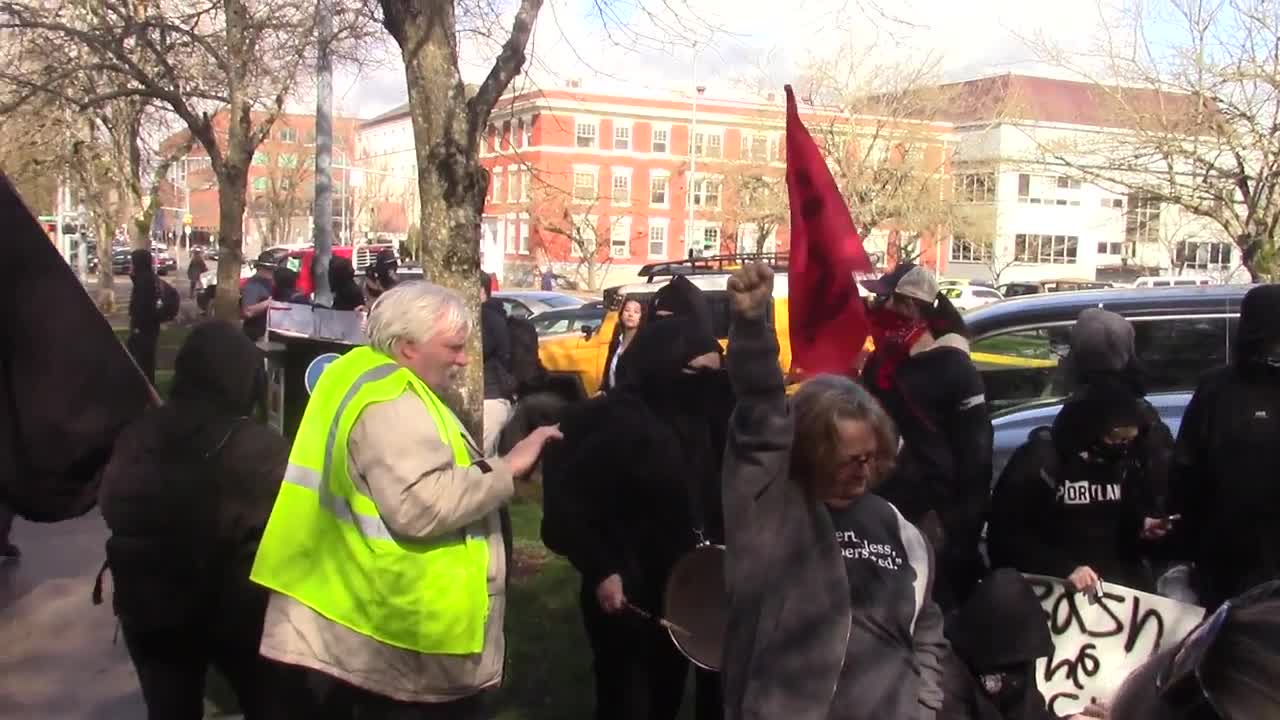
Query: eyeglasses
1181 682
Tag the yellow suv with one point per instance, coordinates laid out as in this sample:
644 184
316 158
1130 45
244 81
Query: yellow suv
576 362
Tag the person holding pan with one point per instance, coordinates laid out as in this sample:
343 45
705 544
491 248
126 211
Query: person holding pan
830 609
633 490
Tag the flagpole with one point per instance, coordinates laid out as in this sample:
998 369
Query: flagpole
693 160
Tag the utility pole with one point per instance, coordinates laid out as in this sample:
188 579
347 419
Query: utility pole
322 212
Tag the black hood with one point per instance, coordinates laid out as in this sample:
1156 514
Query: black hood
141 263
1001 625
284 283
1102 344
1259 323
1094 410
681 298
218 374
661 350
341 272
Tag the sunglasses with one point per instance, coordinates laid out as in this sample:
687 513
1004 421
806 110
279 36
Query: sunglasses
1181 681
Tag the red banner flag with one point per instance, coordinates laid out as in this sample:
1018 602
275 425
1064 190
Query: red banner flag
827 318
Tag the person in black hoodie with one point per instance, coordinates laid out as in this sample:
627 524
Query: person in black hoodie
284 287
633 487
996 638
144 316
921 372
1068 504
347 294
1226 461
186 496
499 384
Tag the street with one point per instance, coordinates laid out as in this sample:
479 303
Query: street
57 654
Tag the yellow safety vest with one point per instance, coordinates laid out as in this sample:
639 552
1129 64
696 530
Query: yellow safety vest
326 546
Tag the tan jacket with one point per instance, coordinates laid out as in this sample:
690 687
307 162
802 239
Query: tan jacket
398 459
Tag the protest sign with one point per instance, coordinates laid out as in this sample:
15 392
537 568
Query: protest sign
1097 645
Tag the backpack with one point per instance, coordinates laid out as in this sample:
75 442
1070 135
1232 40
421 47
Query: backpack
167 301
526 367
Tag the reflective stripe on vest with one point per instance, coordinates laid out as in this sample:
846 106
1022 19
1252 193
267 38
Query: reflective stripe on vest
326 545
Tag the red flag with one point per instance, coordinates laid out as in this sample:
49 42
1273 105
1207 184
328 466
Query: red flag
67 385
826 316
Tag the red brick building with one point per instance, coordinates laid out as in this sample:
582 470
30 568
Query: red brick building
281 185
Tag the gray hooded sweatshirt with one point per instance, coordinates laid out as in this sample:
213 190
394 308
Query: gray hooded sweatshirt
792 624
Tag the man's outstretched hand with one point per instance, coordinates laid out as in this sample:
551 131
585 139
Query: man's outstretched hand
525 454
751 291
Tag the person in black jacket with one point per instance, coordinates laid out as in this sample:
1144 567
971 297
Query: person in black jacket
284 287
144 315
1227 461
921 373
347 294
499 385
1069 503
633 487
195 269
630 316
186 496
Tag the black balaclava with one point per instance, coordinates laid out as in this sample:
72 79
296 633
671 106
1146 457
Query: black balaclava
218 376
1093 411
1257 347
285 284
681 298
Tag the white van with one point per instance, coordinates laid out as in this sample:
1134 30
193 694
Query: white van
1163 281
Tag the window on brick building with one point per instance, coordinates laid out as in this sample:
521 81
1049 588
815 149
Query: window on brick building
661 140
622 137
657 241
584 186
621 189
658 187
288 135
586 135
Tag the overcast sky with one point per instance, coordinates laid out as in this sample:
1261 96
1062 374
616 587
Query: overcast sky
738 37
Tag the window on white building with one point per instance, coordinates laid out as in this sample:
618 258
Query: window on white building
1048 190
657 240
620 239
706 193
975 188
1046 249
1112 248
964 250
622 137
1201 255
661 140
584 186
658 187
586 135
1142 221
621 189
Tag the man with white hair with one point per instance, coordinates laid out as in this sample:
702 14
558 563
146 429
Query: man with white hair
384 551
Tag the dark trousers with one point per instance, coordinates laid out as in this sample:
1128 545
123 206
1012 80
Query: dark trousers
142 346
639 673
304 694
195 285
172 665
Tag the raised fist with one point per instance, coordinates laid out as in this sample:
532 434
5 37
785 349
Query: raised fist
751 291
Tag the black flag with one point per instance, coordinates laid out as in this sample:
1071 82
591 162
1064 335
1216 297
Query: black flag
67 385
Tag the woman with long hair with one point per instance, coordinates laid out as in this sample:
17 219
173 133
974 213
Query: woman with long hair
830 608
629 317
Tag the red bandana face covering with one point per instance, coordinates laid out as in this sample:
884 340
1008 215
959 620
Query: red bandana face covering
894 335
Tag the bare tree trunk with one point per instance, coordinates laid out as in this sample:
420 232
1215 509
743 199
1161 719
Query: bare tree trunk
231 205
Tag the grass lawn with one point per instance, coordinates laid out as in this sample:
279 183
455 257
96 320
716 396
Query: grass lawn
548 672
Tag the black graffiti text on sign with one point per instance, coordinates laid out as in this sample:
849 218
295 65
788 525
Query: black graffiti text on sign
1140 626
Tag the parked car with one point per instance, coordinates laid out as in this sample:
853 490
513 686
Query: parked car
1016 289
527 303
164 261
1018 346
584 319
967 297
1181 281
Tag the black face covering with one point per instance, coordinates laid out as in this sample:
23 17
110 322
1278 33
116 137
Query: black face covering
1270 357
1110 452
